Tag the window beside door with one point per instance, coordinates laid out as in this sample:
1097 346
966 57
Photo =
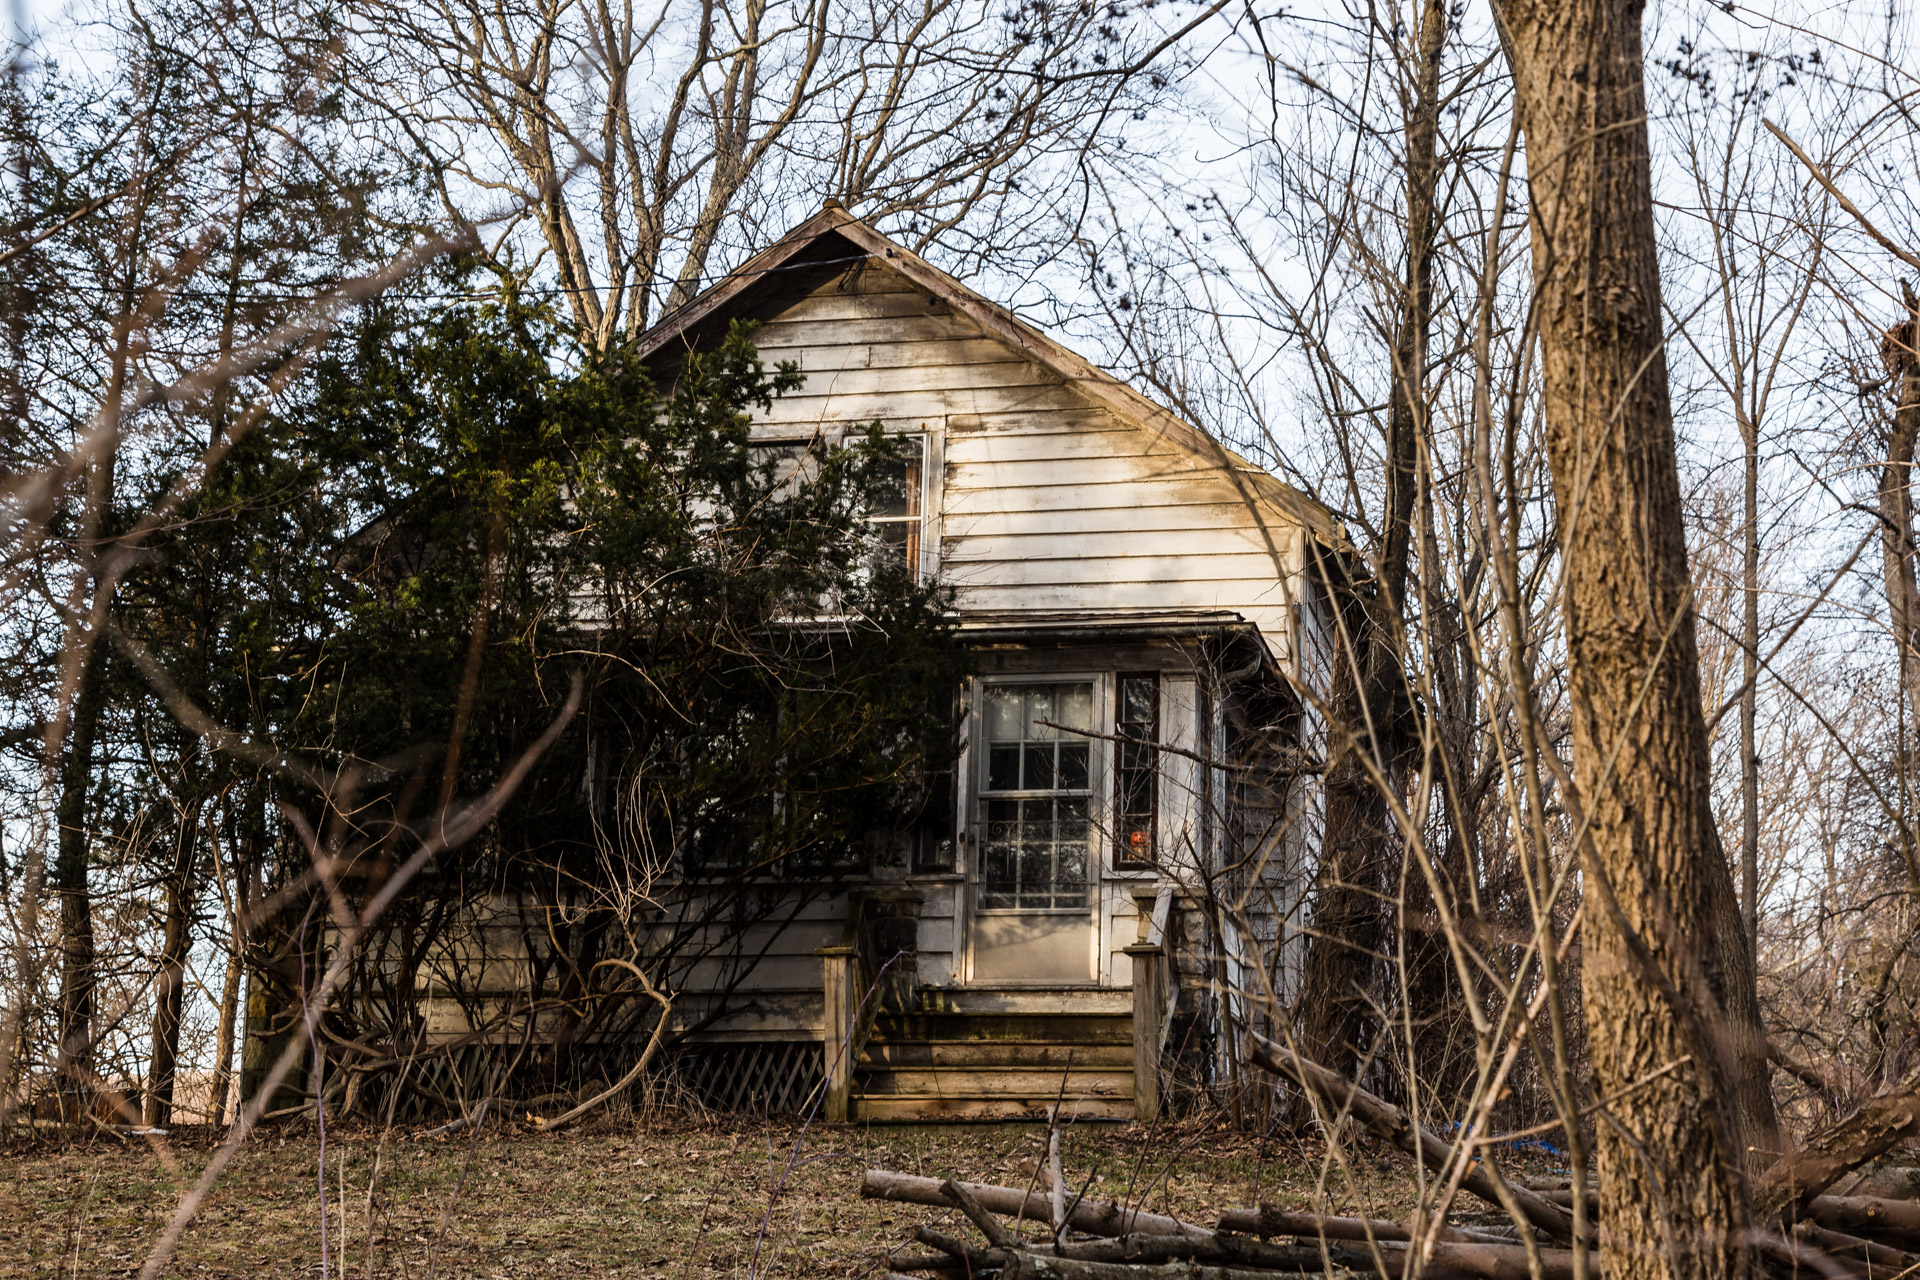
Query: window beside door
1136 731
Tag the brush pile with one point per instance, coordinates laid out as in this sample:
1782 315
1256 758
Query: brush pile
1052 1235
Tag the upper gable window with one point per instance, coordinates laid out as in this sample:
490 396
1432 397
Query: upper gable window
896 517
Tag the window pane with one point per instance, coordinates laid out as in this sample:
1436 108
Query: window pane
1072 775
1040 700
1076 707
1003 769
1039 771
1003 713
898 491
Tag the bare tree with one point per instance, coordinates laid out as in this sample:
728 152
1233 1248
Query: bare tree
650 148
1668 975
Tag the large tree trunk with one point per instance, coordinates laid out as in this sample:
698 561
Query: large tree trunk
1442 1053
72 885
170 991
1334 1009
1367 700
224 1032
1900 348
1896 500
1668 977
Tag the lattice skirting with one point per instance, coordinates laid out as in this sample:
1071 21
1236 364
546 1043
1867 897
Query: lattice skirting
768 1077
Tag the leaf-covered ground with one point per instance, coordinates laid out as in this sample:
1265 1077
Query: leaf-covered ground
666 1199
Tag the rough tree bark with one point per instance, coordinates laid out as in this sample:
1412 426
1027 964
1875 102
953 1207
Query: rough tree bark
1667 974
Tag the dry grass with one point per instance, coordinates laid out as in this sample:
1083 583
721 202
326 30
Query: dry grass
667 1199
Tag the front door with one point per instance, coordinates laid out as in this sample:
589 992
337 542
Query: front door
1034 873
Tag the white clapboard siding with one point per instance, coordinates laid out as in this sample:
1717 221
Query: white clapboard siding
832 305
1048 495
796 344
979 540
1145 566
1066 439
811 406
1223 520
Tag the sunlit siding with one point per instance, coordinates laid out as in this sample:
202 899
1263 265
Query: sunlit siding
1040 500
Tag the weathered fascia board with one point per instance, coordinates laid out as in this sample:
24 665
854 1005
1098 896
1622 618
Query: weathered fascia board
1091 598
1169 659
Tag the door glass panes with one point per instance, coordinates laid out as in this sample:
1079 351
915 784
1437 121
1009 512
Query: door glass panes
1035 852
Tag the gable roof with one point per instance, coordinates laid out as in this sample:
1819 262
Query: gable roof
835 236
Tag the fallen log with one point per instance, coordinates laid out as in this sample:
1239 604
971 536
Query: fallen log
1269 1221
1096 1218
1492 1262
1192 1251
1840 1245
1220 1250
1881 1124
1391 1123
1229 1257
1895 1222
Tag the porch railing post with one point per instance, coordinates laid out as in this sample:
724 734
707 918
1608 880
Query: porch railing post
836 1028
1148 1002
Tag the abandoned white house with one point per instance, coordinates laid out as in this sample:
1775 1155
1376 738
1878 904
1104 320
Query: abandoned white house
1133 812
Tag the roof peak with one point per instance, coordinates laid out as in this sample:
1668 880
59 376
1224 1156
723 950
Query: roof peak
1255 484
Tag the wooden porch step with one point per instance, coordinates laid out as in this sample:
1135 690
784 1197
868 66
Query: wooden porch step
998 1053
994 1082
1023 1028
897 1110
1075 1001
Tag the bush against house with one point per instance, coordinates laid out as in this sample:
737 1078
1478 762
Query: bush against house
466 516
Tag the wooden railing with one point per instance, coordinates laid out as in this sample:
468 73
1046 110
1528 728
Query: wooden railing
1154 990
869 969
843 984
